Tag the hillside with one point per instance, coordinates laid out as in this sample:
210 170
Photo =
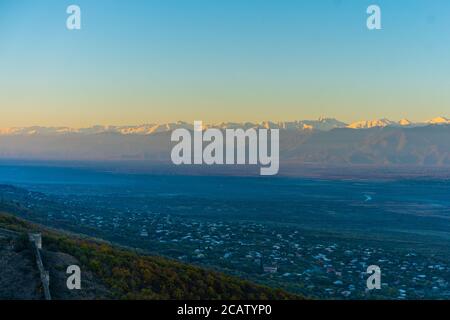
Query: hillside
110 272
19 278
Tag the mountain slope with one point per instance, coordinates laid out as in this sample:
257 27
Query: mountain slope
125 274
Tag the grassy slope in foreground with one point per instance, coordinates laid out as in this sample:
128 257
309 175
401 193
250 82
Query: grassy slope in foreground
129 275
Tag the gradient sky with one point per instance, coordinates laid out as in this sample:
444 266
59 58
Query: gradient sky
151 61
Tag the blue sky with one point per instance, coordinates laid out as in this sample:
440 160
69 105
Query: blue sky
221 60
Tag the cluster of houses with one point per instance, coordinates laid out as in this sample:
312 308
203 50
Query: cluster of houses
282 255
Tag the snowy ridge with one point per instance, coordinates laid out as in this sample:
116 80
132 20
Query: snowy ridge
322 124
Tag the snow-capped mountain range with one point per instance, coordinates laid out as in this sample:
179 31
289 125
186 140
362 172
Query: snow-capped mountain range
322 142
366 124
322 124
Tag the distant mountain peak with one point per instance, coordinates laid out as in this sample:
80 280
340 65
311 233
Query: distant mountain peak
327 119
405 122
367 124
439 120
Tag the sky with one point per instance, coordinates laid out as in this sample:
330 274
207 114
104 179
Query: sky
155 61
